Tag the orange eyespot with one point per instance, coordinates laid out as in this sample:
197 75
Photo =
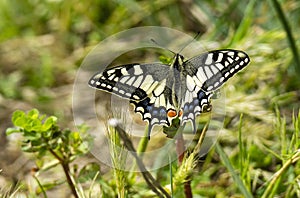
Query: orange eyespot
180 113
171 113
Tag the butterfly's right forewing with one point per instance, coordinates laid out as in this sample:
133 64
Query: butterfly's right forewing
212 69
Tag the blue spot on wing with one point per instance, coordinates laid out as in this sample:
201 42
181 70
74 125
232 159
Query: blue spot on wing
154 115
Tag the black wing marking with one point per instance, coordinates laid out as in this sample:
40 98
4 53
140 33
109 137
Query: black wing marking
212 69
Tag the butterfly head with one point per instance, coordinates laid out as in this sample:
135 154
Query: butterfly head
178 61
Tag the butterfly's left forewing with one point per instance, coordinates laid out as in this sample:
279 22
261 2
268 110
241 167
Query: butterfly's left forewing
132 81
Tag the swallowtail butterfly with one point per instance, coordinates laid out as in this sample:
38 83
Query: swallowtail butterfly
161 92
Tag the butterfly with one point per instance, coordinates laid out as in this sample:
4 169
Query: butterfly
162 92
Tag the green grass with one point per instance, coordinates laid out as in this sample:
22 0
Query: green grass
42 44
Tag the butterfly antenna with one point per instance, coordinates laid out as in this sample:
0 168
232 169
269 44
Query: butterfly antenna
188 43
162 46
197 35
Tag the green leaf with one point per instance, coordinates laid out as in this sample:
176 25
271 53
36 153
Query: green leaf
34 125
48 186
165 60
33 114
48 134
32 135
17 115
172 130
28 148
235 176
13 130
75 137
52 120
82 148
37 143
19 121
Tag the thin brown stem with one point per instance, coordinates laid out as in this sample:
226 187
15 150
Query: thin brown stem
180 150
188 189
65 166
69 179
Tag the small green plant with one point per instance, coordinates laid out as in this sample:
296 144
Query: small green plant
42 136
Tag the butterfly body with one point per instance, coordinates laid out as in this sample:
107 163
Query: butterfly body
161 92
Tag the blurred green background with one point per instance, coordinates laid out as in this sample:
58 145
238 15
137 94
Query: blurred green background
42 44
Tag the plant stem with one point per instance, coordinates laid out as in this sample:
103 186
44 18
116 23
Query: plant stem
180 150
150 180
40 185
65 166
69 179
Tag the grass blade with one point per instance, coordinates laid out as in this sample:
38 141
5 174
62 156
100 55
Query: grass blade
231 170
289 33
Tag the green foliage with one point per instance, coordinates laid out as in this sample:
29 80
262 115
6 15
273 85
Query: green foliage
165 60
42 135
286 177
171 131
252 165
